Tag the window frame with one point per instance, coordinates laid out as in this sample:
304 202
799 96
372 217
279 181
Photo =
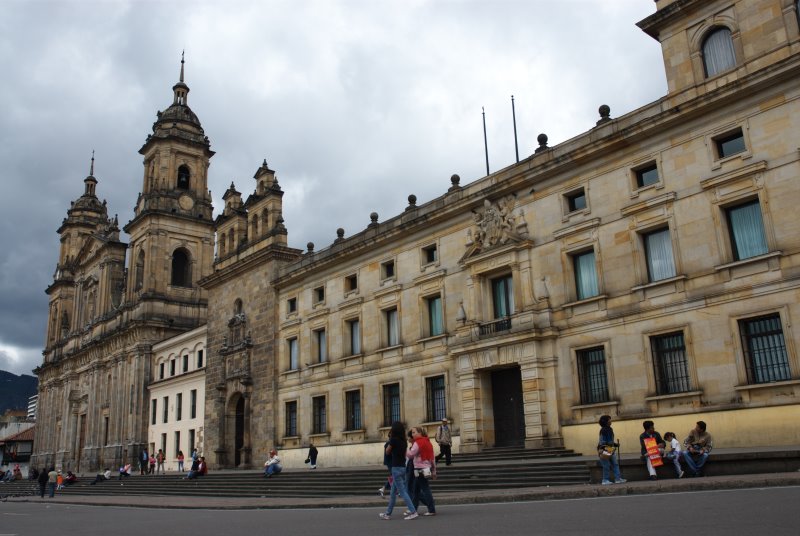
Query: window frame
649 259
665 382
293 353
508 295
320 338
436 398
290 418
433 304
571 200
353 410
350 284
585 391
319 415
391 326
389 265
193 404
726 137
354 339
165 410
429 254
388 401
178 406
709 34
291 306
318 295
732 242
750 374
154 411
575 256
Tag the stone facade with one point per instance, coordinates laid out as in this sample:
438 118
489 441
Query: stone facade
646 268
104 318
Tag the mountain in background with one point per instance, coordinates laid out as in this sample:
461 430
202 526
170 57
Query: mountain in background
16 390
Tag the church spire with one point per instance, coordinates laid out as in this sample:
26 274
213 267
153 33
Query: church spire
90 182
181 90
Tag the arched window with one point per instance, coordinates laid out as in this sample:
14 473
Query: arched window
265 221
139 271
718 55
183 177
181 268
221 245
237 307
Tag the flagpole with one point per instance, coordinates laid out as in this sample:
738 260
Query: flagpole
485 144
514 116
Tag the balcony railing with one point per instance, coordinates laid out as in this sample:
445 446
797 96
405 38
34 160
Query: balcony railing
497 326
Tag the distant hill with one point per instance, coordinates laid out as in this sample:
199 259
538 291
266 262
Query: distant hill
16 390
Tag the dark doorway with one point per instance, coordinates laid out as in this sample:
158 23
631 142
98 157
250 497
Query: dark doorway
238 441
81 441
509 417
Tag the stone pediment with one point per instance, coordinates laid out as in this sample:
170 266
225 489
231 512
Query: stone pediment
495 225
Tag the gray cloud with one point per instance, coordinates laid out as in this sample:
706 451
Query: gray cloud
355 104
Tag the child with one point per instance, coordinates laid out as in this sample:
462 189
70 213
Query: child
675 453
60 481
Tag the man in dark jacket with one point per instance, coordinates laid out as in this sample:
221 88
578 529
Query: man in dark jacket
42 480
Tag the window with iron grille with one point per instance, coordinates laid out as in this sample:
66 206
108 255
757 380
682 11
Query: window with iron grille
592 375
391 403
320 416
437 406
669 362
353 408
291 419
765 349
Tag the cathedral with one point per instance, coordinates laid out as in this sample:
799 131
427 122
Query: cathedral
646 268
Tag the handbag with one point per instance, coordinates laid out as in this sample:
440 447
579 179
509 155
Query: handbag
606 452
307 460
425 472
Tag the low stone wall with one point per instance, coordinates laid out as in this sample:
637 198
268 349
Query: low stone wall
719 463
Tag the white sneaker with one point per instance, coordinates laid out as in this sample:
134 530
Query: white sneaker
380 491
411 516
606 482
620 481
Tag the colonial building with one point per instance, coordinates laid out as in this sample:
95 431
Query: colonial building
105 318
646 268
177 396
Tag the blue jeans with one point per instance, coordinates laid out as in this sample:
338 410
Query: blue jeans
399 487
273 469
607 464
695 465
52 487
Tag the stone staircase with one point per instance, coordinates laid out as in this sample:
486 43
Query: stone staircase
495 469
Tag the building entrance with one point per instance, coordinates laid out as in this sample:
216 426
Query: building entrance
509 416
239 433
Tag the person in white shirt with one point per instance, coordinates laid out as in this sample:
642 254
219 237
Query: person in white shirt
675 453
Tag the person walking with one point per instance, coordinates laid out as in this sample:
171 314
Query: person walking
180 461
607 450
445 441
421 453
42 480
312 456
52 480
397 449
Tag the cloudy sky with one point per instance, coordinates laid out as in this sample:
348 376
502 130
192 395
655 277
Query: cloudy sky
356 104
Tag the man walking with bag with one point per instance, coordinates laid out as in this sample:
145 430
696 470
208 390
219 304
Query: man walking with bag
445 441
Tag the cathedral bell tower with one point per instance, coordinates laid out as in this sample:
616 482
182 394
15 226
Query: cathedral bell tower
172 231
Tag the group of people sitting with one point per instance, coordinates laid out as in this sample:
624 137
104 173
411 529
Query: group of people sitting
692 454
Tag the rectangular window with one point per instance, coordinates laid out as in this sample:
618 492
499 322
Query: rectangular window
576 200
165 411
435 326
658 251
429 254
161 371
199 359
291 419
172 367
319 294
392 327
293 357
153 411
764 347
105 431
322 345
646 175
320 416
669 362
746 229
585 275
164 442
387 270
177 444
191 440
354 328
353 408
435 397
503 296
193 403
391 403
351 283
291 305
179 406
186 363
592 376
730 144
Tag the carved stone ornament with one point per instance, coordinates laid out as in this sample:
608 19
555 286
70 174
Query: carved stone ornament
495 224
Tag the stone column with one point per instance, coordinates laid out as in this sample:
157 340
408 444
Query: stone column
471 411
